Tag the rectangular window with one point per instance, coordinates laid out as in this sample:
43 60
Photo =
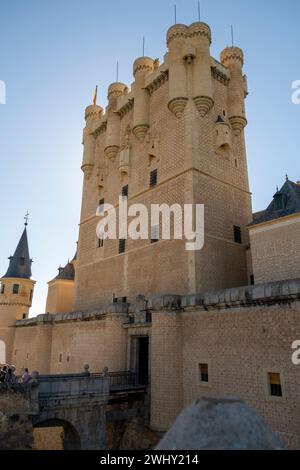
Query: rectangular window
2 288
203 372
101 205
100 242
16 288
274 382
122 245
31 295
24 316
68 358
60 358
22 261
155 234
153 178
252 280
125 191
237 234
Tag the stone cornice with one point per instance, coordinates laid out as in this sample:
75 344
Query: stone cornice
126 108
100 314
220 76
274 293
100 130
158 82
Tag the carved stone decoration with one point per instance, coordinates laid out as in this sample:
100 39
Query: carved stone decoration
153 141
124 164
140 131
238 123
177 106
204 104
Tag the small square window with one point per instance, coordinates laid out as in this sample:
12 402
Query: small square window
122 245
203 372
153 178
16 288
237 234
274 382
24 316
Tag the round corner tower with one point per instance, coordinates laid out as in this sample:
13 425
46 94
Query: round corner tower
16 293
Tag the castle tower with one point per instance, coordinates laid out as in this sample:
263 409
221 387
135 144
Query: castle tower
61 290
16 293
175 137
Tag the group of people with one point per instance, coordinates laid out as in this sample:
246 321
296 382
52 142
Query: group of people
7 375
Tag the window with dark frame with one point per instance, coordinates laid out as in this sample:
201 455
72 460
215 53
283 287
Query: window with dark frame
15 289
237 234
125 191
101 205
203 372
122 245
153 178
274 382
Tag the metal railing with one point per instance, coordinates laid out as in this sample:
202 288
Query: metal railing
121 380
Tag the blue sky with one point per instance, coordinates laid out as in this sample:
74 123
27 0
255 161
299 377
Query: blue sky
53 52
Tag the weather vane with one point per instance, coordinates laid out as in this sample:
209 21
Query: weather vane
26 218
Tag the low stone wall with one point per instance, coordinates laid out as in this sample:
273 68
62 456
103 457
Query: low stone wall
16 432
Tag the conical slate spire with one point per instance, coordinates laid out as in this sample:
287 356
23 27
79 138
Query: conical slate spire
20 262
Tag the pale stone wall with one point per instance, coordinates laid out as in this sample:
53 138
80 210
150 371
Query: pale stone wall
66 346
60 296
241 344
275 248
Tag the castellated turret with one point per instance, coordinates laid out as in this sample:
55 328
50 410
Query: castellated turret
200 37
233 59
112 147
142 68
178 93
190 45
92 113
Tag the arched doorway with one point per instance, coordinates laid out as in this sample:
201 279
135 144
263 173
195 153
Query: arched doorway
2 352
55 434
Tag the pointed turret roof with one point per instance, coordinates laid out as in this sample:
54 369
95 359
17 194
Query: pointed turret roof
20 262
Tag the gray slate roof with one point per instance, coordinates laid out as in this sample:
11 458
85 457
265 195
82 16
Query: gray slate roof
67 273
20 262
291 191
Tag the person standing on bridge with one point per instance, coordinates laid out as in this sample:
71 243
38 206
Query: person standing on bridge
25 377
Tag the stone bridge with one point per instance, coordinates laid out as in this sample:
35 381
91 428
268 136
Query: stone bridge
82 404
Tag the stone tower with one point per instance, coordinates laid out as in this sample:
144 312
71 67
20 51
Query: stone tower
175 137
16 293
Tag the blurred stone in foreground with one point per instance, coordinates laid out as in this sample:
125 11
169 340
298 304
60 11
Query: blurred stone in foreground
219 424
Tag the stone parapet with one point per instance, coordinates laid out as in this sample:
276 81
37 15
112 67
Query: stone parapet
260 294
48 318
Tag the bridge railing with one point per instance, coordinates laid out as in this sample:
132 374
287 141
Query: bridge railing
72 385
122 380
